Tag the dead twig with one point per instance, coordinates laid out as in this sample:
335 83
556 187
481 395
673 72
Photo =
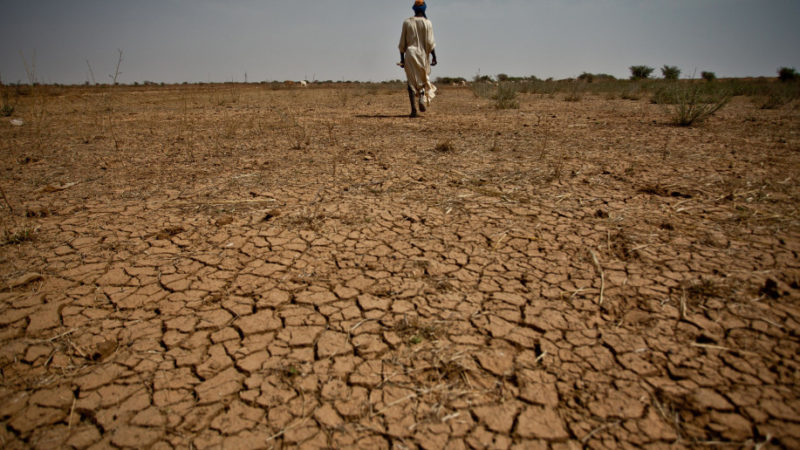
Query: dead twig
5 199
602 276
289 428
71 412
599 429
393 404
683 305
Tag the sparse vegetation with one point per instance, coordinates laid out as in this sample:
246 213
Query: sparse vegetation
691 103
780 95
482 89
6 109
17 236
506 96
575 94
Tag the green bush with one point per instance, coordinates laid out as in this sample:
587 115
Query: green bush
786 74
670 72
708 76
640 72
7 110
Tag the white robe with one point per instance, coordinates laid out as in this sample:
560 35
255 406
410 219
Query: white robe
416 44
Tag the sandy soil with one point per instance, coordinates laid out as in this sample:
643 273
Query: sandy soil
246 267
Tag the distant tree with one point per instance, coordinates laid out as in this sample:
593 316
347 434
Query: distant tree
640 72
708 76
502 77
670 72
786 74
586 76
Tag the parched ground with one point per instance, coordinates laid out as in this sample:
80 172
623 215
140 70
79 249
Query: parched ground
248 267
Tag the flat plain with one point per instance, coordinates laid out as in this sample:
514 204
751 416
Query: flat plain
255 266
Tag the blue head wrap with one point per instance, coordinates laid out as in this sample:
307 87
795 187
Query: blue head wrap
420 9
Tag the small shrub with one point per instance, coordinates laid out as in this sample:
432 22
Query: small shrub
6 110
445 147
482 89
787 74
506 96
633 92
691 104
640 72
17 237
664 96
586 76
574 95
780 95
670 72
708 76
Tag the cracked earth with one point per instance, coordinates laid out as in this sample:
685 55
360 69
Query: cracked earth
246 267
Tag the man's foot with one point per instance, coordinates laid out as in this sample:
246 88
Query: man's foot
413 114
422 105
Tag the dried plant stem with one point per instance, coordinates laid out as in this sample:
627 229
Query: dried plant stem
5 199
71 412
599 429
683 305
602 276
394 403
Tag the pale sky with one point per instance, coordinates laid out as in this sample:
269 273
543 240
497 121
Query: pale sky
222 40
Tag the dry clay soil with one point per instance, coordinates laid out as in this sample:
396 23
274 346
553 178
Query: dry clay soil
248 267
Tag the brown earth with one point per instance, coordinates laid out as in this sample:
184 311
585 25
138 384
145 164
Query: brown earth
246 267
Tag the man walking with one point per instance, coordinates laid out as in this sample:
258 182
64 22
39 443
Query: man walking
416 45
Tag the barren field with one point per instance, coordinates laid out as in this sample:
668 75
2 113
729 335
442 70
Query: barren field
241 266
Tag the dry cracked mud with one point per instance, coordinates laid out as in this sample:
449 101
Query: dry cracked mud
244 267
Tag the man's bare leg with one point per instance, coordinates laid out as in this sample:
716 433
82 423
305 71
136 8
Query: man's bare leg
422 101
411 99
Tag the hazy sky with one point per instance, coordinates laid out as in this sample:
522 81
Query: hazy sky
221 40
